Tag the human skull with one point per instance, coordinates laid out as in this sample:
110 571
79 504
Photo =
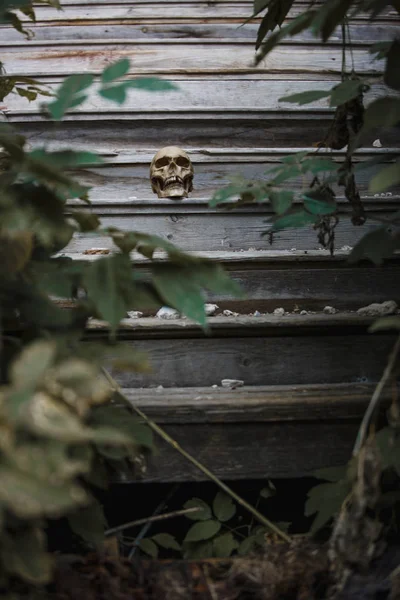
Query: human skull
171 173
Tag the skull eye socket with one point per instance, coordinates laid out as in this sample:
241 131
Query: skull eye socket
183 162
161 162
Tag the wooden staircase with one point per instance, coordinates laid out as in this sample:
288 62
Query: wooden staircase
307 375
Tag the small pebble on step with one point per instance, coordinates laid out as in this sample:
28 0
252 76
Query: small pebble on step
256 313
166 312
214 386
230 313
279 312
135 314
304 312
210 309
378 310
329 310
232 383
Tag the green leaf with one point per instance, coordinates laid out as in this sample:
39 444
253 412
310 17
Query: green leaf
301 22
89 523
26 93
299 218
276 14
182 287
346 91
153 84
383 112
223 507
392 71
87 221
117 93
269 491
31 498
167 541
121 419
32 363
204 514
24 554
66 159
224 545
198 550
69 95
203 530
318 165
109 284
375 245
148 547
385 324
319 202
325 500
380 49
386 178
281 201
331 473
116 70
247 545
306 97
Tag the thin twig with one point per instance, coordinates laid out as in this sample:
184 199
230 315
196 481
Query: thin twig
167 438
145 529
170 515
365 423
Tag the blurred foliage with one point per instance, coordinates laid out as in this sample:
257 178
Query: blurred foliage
300 192
63 433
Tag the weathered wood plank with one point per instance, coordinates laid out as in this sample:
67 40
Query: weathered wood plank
234 451
177 56
201 95
116 183
283 360
108 132
233 231
361 33
227 429
266 404
294 280
164 12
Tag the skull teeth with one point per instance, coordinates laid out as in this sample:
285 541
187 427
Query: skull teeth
172 180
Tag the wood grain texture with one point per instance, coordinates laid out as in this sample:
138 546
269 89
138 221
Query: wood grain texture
164 11
252 451
203 95
360 32
283 360
132 132
177 57
233 231
266 404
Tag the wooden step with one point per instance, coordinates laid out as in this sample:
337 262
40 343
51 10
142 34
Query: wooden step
265 350
254 432
293 280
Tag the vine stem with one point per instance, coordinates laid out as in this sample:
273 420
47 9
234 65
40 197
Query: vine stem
362 432
152 519
167 438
